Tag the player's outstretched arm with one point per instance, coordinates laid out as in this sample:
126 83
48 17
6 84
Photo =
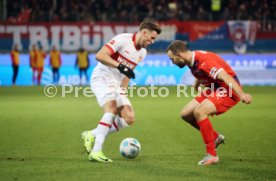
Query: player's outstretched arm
224 76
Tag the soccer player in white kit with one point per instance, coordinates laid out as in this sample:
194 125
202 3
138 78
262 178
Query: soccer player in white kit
110 78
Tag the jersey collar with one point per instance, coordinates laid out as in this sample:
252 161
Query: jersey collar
193 59
134 41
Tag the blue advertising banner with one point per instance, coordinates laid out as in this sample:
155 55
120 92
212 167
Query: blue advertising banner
157 69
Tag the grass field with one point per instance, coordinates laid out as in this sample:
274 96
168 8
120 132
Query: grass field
40 139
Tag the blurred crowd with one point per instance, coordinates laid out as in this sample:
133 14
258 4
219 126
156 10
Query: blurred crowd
135 10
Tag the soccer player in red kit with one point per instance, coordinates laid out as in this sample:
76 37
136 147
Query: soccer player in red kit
213 72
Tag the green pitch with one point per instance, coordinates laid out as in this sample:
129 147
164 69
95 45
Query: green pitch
40 139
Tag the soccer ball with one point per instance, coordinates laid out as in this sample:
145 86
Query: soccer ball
130 148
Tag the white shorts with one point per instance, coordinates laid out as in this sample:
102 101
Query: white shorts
107 88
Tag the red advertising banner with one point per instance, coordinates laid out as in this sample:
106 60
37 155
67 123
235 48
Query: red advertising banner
200 29
91 36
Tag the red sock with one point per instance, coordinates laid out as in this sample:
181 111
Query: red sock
207 133
195 125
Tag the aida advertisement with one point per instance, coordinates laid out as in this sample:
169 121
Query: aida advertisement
157 69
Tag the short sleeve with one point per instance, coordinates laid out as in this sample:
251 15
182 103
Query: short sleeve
115 43
211 68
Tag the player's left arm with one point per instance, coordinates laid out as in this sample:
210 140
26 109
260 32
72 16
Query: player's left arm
229 80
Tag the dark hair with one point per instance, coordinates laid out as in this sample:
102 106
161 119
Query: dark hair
150 24
178 46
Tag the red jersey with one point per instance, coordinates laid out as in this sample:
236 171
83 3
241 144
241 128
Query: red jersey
207 65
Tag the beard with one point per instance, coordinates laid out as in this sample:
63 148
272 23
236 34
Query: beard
181 65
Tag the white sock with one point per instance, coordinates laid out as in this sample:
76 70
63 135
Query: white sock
93 132
118 124
102 131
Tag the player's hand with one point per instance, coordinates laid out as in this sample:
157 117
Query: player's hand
246 98
126 70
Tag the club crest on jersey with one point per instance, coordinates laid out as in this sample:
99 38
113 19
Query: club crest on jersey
139 59
112 42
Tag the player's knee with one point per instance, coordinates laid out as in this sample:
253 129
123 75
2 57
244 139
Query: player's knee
198 113
129 118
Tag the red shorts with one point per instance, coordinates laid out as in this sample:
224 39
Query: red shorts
223 100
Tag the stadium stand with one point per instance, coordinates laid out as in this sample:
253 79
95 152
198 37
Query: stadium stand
133 11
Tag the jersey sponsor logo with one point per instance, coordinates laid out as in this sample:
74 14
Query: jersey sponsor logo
139 59
126 62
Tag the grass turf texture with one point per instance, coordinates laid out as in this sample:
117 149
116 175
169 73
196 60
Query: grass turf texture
40 139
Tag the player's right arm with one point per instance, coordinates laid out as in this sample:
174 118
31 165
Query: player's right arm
104 56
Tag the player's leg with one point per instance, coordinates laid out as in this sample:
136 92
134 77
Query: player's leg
102 130
80 75
125 116
187 113
104 87
202 111
54 74
98 135
15 73
39 70
57 72
86 75
123 119
34 75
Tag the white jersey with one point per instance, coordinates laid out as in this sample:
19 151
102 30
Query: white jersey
123 51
